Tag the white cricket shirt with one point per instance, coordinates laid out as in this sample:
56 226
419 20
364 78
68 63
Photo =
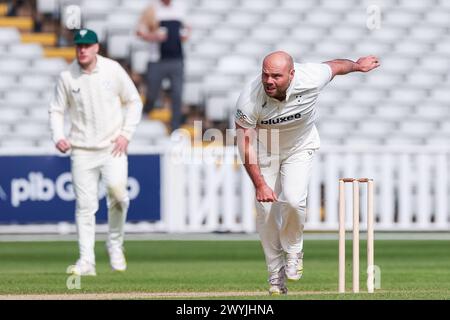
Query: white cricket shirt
294 118
175 11
95 103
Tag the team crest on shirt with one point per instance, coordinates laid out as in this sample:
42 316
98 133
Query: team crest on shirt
107 85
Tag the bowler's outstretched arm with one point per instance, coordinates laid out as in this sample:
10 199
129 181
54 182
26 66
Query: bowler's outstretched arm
343 66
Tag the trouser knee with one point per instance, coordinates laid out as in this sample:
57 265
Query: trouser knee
86 207
118 197
296 203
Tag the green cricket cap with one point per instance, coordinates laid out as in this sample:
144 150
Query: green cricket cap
85 36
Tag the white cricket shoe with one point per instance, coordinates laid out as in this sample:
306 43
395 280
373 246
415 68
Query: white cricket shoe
294 266
82 268
277 283
117 258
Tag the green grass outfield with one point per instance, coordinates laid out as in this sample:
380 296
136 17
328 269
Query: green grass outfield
413 269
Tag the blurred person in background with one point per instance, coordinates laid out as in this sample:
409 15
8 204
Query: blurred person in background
163 22
282 102
94 90
15 7
27 9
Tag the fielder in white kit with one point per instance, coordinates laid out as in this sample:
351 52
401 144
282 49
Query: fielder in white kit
94 90
277 139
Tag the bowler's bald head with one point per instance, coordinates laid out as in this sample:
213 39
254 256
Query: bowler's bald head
277 74
279 59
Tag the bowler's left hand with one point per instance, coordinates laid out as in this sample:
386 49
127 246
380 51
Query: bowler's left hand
366 64
120 147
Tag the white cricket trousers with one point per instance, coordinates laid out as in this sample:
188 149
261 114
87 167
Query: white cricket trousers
280 224
88 167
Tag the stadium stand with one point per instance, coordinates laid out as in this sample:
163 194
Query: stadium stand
405 101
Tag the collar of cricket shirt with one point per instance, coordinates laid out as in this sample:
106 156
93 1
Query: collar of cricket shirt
97 68
290 89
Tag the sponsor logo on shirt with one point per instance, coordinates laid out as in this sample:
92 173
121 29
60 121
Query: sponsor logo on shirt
241 116
282 119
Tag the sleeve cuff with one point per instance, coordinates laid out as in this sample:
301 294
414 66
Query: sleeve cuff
127 135
56 139
330 72
244 124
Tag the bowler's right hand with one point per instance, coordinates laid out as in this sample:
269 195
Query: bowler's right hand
63 145
265 194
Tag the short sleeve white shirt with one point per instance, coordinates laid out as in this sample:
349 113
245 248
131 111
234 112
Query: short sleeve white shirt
293 118
175 11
